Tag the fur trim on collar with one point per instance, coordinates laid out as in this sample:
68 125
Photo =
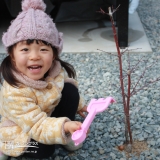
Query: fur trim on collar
53 72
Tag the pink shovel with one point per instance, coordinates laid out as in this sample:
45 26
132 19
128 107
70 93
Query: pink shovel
95 106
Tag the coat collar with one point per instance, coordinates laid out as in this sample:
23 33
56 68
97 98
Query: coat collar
53 72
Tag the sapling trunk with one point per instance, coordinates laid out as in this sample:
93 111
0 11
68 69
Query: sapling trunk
128 134
126 106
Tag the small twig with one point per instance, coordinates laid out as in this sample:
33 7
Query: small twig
124 51
129 50
133 90
110 13
125 76
107 52
128 60
129 92
124 71
146 85
129 64
126 95
139 61
142 75
115 86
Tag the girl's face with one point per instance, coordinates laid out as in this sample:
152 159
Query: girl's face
33 60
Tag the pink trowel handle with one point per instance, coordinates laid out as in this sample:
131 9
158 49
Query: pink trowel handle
94 107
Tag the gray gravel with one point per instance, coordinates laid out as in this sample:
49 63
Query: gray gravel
97 74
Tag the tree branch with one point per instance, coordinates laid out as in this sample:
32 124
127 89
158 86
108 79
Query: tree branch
146 85
107 52
142 75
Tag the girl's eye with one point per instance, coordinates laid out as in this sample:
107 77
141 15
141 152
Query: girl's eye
25 49
43 50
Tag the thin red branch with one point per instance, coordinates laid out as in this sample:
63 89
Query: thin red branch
120 61
142 75
146 85
107 52
129 92
129 50
136 65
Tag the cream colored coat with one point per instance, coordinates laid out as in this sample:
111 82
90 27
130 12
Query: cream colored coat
25 112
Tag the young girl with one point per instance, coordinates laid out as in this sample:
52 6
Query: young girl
39 96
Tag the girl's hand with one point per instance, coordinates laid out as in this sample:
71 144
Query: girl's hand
80 112
72 126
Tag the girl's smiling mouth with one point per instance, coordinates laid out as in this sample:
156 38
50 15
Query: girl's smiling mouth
34 67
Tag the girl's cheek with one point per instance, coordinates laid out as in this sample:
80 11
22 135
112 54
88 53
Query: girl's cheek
20 61
49 59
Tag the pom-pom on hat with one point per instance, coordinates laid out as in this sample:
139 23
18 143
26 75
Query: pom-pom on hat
33 23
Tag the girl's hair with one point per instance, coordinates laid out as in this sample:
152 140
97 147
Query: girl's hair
7 65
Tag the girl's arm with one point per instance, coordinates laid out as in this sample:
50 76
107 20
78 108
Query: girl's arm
19 106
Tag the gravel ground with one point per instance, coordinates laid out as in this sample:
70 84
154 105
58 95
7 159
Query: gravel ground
97 74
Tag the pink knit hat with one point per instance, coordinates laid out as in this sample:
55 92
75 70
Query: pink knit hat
33 23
